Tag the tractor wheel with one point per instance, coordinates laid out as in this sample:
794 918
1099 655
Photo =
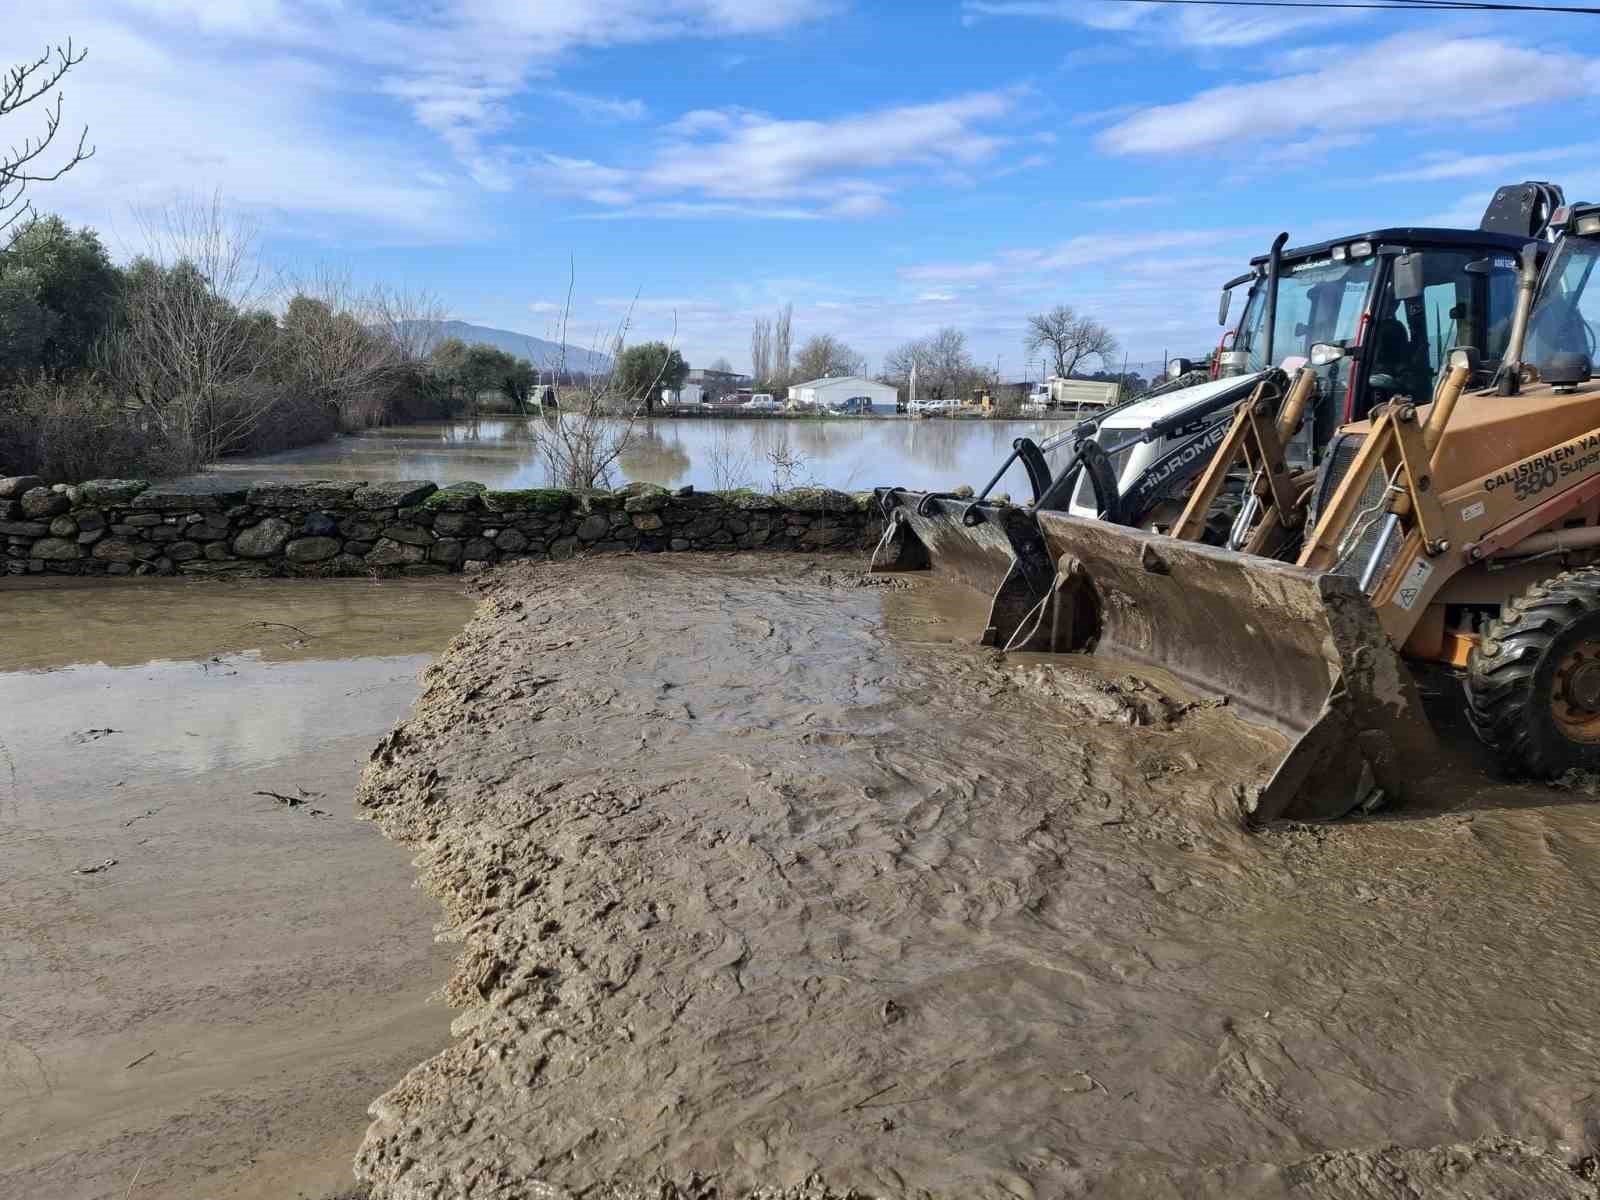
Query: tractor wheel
1533 680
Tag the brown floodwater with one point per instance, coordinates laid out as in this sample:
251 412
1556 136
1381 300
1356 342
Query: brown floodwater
850 454
763 873
204 985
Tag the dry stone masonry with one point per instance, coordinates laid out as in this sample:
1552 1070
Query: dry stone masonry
408 527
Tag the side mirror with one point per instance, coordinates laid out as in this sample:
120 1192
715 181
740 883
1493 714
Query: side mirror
1222 308
1324 353
1408 276
1179 366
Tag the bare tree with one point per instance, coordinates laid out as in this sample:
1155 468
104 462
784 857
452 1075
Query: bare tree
1069 339
825 356
942 364
194 342
23 163
761 350
409 319
334 345
598 421
782 344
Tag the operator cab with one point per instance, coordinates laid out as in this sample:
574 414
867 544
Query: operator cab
1395 301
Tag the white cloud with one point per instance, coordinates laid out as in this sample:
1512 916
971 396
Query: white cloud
1196 28
739 154
600 108
1119 202
737 162
270 99
1445 165
1377 87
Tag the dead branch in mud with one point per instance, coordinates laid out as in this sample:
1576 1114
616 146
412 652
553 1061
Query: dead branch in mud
303 800
278 625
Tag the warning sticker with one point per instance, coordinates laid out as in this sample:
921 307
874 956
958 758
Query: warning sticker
1472 511
1411 586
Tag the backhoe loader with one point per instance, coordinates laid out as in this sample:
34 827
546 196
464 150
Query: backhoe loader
1459 528
1135 464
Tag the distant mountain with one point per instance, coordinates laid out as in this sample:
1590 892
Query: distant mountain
540 352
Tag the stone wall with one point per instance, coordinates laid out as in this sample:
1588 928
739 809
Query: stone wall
122 526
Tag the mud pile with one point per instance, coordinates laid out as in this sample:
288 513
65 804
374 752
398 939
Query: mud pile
768 880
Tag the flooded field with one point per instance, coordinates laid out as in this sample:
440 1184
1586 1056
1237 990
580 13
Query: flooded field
849 454
210 967
764 875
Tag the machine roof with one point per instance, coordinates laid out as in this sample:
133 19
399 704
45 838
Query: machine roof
1409 235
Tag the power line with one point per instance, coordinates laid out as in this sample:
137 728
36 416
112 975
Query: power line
1388 5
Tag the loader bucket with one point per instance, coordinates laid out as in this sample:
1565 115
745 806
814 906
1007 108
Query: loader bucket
1292 650
991 547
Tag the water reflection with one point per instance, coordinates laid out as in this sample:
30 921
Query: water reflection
503 452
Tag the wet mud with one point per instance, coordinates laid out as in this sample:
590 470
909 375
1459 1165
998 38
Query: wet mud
766 881
204 986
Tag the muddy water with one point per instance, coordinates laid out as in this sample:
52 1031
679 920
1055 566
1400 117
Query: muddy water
850 454
764 874
209 1014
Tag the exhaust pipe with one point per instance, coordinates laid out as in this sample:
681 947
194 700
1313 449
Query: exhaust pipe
1510 381
1274 265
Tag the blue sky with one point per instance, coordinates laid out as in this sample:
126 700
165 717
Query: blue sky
888 168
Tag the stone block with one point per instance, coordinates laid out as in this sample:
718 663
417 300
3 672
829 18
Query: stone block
319 524
360 528
39 503
171 500
815 500
180 552
263 539
424 569
393 493
55 549
358 547
479 548
390 553
147 519
311 549
528 500
511 541
563 548
12 487
448 524
823 535
679 543
90 536
458 497
312 493
217 552
24 529
593 527
164 533
116 550
63 526
90 519
414 535
647 521
111 491
446 551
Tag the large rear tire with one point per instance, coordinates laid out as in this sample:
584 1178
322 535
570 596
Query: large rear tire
1533 680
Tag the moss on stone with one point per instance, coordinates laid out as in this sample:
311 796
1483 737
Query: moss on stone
528 500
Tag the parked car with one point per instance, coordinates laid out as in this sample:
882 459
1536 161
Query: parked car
761 402
854 406
930 407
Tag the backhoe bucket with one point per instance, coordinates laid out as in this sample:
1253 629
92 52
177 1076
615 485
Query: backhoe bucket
1293 650
991 547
